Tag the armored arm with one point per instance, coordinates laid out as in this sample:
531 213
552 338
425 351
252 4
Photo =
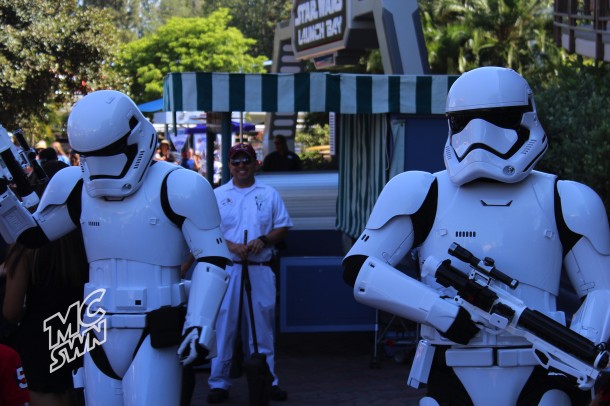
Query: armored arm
53 217
389 235
15 219
14 216
192 199
587 257
389 232
14 160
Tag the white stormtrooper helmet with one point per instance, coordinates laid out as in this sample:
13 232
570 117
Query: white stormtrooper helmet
494 132
115 141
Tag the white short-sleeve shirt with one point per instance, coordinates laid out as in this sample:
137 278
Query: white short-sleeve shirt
258 209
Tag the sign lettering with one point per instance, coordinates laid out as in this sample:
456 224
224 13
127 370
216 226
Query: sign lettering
318 23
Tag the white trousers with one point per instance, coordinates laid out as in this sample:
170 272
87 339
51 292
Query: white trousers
262 280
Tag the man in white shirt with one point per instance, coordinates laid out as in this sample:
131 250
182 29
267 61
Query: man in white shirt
246 204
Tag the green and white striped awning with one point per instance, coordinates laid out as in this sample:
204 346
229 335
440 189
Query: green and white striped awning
363 100
306 92
363 139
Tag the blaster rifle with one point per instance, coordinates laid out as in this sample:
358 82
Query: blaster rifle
555 345
13 162
29 156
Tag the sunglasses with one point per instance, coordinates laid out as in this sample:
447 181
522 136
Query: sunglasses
237 161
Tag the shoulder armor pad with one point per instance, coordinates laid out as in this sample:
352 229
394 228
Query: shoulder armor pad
191 196
584 214
59 188
403 195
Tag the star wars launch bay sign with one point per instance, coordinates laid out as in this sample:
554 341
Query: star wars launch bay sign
320 27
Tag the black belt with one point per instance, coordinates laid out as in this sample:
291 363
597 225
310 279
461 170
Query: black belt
268 263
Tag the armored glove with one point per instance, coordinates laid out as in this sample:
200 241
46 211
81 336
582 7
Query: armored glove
190 351
462 329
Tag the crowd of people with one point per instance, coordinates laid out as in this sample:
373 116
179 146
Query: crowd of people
281 159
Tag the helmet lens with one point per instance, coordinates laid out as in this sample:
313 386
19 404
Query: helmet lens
509 118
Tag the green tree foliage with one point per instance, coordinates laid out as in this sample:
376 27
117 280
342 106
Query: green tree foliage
186 45
313 136
181 8
573 110
50 51
256 19
465 34
315 133
133 18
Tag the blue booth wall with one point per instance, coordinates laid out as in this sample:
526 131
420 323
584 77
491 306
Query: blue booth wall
424 142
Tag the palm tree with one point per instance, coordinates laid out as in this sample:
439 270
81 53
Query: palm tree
465 34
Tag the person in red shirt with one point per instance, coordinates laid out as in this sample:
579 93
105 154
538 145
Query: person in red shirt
13 386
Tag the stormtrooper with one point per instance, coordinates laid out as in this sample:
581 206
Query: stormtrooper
140 219
491 202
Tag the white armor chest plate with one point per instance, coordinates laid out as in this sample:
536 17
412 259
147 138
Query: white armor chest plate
513 224
135 228
134 250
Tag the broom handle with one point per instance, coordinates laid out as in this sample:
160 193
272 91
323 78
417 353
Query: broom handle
248 286
238 352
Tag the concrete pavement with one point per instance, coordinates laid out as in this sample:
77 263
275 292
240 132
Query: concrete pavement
328 369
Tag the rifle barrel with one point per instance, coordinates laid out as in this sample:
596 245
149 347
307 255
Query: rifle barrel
559 335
